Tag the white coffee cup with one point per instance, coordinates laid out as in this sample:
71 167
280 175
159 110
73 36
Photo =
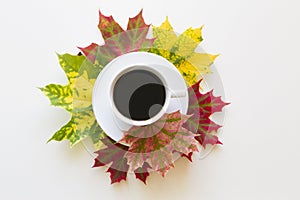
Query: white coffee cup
109 118
165 75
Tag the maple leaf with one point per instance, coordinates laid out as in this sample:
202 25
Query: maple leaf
59 95
142 173
180 50
62 95
113 155
75 97
201 107
151 147
118 41
82 72
68 132
155 143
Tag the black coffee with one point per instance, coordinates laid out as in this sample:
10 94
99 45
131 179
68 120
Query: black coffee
139 95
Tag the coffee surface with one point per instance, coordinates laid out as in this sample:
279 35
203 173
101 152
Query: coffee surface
139 95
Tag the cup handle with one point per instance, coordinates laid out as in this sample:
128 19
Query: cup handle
178 94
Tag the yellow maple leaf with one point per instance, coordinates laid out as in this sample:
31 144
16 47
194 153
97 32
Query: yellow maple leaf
180 50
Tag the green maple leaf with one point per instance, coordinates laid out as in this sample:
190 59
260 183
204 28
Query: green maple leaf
62 95
67 132
180 50
75 97
59 95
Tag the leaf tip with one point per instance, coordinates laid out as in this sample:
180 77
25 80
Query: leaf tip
141 11
100 13
166 25
40 88
214 57
72 144
188 156
167 21
49 140
58 55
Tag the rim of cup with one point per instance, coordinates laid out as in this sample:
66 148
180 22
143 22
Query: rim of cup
158 115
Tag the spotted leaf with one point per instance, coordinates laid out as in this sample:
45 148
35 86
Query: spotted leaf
71 65
59 95
67 132
62 95
180 50
76 97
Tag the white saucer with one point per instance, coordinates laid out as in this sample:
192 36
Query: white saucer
102 105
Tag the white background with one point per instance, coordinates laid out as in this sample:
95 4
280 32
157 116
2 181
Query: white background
259 45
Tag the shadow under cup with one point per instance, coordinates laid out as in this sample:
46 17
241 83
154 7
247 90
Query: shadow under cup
139 94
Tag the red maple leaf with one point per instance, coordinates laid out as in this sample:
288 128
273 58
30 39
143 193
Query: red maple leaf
142 173
118 41
113 155
201 107
155 143
192 148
